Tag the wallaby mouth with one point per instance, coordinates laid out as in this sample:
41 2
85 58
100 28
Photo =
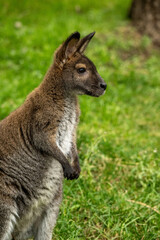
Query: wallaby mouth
97 93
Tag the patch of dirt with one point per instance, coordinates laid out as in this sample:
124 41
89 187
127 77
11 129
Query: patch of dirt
137 47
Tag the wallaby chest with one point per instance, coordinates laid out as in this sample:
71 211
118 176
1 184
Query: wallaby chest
67 126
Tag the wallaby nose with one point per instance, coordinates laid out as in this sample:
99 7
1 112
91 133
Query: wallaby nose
103 85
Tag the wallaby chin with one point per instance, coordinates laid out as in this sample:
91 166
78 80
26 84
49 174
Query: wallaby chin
38 144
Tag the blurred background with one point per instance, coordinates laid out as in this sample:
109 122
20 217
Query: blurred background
118 193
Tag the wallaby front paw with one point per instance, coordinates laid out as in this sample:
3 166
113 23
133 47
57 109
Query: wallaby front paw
68 172
77 170
71 173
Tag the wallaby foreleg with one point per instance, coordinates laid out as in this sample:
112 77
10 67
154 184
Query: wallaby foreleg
49 147
53 150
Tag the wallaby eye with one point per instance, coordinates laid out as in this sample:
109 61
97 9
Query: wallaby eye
81 70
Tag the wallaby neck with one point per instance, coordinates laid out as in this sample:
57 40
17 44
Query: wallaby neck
53 84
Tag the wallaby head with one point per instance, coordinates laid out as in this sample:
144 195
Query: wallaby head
79 74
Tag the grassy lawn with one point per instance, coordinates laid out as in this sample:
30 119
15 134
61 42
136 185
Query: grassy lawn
117 196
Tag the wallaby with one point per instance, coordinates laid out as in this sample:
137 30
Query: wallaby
38 144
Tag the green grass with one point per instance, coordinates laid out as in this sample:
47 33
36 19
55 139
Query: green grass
118 193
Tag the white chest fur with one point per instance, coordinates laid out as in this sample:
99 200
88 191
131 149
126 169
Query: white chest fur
66 128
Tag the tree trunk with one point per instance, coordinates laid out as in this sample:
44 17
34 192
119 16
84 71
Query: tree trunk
145 15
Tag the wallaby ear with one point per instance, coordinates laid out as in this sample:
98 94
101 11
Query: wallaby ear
69 47
83 43
71 44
